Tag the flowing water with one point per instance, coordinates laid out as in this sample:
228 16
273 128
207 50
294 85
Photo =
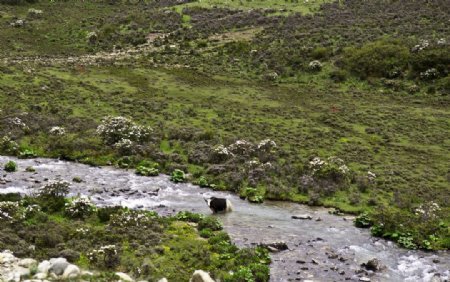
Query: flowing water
325 248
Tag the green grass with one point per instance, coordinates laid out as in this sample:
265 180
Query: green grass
280 6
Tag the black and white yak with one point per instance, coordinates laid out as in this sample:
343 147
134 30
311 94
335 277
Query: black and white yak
219 205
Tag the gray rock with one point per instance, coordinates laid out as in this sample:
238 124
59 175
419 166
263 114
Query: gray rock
58 265
275 246
373 265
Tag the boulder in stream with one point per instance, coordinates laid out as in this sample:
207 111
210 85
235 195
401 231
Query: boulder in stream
373 265
275 246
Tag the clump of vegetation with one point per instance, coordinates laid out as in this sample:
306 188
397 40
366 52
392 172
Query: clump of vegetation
146 168
120 131
209 222
253 195
178 176
10 166
80 207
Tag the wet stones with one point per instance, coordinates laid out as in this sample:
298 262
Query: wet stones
373 265
275 246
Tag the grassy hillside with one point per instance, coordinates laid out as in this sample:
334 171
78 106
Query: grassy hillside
366 83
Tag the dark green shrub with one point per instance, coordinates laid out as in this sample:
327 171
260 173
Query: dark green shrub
189 216
178 176
104 214
382 58
10 197
338 75
27 154
146 168
211 223
206 233
218 237
10 166
363 221
253 195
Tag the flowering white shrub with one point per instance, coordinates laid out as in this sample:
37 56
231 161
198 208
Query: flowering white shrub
80 207
333 168
423 44
429 74
17 122
222 150
124 145
10 211
427 211
32 209
441 41
315 66
267 145
56 188
57 131
82 231
8 145
104 256
130 218
114 129
241 147
35 13
371 176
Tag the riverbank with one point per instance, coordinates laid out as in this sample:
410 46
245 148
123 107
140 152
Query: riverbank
319 244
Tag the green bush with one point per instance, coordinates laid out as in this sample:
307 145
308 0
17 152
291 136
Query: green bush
430 58
104 214
363 221
10 166
253 195
382 58
211 223
189 216
147 171
206 233
202 182
178 176
27 154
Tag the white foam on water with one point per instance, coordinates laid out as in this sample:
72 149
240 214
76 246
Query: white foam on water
416 269
13 189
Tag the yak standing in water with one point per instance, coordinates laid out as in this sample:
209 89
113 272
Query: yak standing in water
219 205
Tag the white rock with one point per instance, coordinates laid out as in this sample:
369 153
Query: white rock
40 276
7 257
201 276
71 271
124 277
87 273
28 262
44 266
21 271
163 280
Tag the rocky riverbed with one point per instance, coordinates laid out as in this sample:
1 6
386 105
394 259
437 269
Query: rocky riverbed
307 243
